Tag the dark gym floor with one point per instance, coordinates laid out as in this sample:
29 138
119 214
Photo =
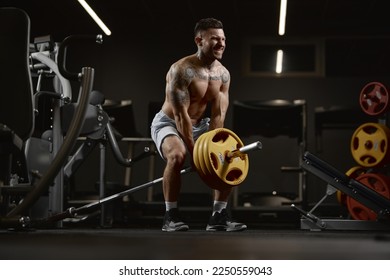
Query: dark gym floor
149 243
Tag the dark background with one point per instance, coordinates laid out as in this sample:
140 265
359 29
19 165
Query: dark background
149 35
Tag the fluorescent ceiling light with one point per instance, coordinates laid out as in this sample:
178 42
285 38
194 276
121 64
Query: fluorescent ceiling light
95 17
282 17
279 62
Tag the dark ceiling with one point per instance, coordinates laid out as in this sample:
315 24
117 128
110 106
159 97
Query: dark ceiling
248 17
356 32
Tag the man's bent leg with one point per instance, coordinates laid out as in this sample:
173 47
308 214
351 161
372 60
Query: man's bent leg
174 153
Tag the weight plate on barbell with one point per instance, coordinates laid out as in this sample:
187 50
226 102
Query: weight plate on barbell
212 163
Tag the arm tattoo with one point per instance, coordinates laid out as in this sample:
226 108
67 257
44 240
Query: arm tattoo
180 81
225 77
180 97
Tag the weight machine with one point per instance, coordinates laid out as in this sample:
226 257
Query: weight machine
21 184
20 190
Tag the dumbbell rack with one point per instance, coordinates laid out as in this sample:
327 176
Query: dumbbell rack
353 186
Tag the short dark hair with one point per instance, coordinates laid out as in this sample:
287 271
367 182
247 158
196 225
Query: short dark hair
206 23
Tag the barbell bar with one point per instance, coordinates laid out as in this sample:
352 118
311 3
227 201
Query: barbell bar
239 152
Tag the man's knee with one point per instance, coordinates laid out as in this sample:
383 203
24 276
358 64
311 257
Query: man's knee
174 151
176 156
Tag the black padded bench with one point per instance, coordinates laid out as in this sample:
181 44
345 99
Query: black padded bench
358 191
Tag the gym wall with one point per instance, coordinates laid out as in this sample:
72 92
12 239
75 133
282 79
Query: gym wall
132 64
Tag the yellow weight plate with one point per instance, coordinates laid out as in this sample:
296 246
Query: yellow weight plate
355 171
231 172
210 159
370 145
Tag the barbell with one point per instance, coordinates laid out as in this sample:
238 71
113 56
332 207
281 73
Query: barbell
220 158
233 159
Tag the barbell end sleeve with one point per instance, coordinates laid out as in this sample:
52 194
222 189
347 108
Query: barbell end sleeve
244 150
254 146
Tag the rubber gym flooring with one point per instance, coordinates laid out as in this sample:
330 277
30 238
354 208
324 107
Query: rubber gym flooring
195 244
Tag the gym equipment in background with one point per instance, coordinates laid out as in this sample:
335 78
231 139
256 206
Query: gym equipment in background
363 189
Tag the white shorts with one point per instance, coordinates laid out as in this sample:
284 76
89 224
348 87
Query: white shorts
163 126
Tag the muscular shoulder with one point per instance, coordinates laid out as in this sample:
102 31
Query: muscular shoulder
223 73
183 68
219 73
180 74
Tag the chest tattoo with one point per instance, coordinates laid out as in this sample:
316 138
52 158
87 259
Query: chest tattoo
191 73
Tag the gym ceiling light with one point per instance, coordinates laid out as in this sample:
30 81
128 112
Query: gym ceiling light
95 17
282 17
282 29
